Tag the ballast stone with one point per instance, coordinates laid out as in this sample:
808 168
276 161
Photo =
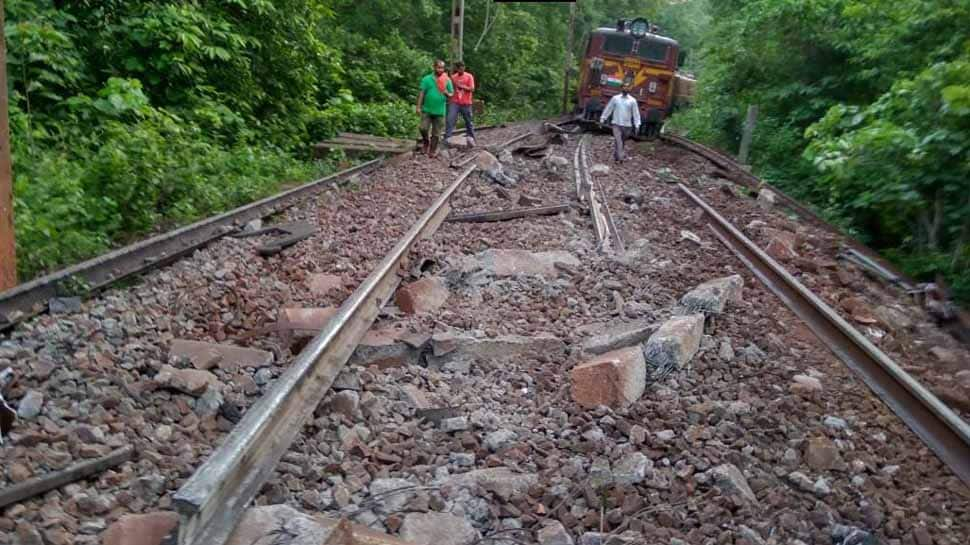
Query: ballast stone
147 529
676 342
260 524
423 296
730 479
615 379
554 533
455 350
712 296
501 481
437 529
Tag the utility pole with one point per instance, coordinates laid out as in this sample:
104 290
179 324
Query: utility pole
746 134
8 249
457 28
569 57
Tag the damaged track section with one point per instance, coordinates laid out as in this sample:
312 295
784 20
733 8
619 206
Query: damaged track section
213 500
938 426
588 191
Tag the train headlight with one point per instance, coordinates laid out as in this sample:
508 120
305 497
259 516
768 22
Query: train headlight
639 28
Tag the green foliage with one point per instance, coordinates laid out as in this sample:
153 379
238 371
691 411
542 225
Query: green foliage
864 112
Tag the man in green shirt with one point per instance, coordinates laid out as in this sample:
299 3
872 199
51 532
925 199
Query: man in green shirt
436 88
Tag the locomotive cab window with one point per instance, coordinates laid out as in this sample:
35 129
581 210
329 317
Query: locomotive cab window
618 45
653 51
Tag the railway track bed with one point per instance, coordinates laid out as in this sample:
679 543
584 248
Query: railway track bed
462 417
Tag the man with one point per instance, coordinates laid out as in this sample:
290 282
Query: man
626 119
432 99
461 103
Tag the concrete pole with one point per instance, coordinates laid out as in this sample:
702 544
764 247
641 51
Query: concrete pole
569 57
747 133
8 248
457 29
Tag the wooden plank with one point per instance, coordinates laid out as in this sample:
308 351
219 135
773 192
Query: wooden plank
368 138
8 247
55 479
505 215
362 147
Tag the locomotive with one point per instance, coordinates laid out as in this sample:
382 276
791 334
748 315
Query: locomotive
633 52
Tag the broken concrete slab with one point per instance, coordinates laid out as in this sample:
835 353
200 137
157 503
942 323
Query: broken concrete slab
712 296
460 348
385 348
264 525
619 336
501 481
506 263
676 342
208 355
422 296
438 529
615 379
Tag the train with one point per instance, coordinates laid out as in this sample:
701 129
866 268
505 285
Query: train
632 52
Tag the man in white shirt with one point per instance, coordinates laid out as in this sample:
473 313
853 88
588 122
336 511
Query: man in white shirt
626 119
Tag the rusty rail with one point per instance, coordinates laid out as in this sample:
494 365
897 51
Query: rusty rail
214 499
940 428
31 298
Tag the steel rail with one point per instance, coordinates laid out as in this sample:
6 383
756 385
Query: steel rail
753 182
31 298
942 430
214 499
587 190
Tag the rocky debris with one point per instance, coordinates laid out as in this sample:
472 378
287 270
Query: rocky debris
599 169
507 263
766 198
616 379
730 479
553 533
208 355
452 425
782 245
422 296
892 318
821 454
460 141
147 529
859 310
632 469
190 381
64 305
391 495
323 284
304 322
712 296
437 529
600 474
386 347
806 384
30 405
619 336
345 402
725 351
801 481
456 350
493 169
274 524
501 481
676 342
499 439
556 164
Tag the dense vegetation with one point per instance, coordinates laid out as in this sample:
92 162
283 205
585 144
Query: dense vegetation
129 116
132 115
864 111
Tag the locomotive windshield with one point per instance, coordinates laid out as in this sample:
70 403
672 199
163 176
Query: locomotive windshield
653 51
649 50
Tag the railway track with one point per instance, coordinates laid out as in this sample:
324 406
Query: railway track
612 272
